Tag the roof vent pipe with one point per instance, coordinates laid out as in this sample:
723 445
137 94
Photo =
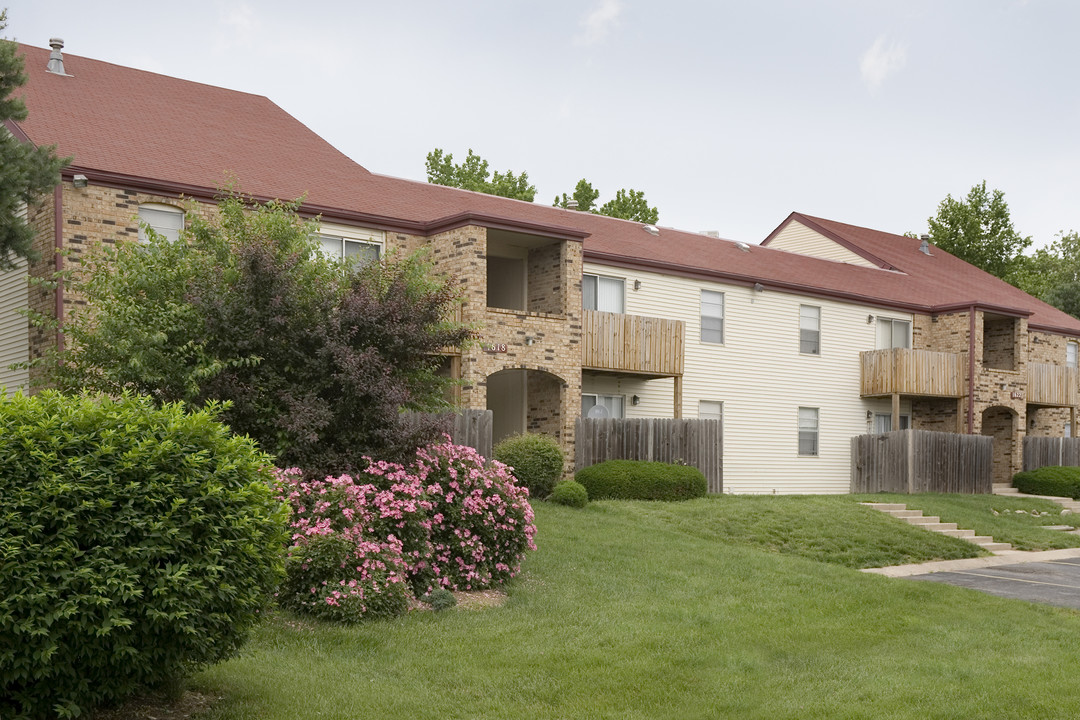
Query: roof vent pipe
924 246
56 58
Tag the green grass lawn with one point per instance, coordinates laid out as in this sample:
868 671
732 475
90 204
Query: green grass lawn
639 610
1019 521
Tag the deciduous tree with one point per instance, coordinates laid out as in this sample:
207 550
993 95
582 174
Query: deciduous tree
317 358
979 230
627 204
474 174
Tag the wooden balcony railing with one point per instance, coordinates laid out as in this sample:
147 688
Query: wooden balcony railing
902 371
632 343
1052 384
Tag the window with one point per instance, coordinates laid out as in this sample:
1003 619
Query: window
359 252
601 406
710 410
1068 429
712 317
893 333
883 422
165 220
1071 354
808 431
602 293
809 330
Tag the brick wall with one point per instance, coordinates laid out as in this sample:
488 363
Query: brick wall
1000 343
546 289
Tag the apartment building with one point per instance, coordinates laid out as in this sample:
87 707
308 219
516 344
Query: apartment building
821 332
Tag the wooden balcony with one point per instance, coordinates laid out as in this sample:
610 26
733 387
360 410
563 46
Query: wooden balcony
632 344
1054 385
901 371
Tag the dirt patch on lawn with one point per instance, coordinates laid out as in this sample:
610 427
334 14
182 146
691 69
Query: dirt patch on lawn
480 599
155 706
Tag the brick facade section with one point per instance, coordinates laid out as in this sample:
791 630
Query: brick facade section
544 341
1003 350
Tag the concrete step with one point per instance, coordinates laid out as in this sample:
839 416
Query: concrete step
1005 490
905 514
959 533
923 519
938 526
996 547
1059 527
886 507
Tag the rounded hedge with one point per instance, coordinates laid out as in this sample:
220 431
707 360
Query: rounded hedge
571 493
641 480
537 461
136 545
1052 480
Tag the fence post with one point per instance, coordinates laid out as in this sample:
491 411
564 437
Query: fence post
910 436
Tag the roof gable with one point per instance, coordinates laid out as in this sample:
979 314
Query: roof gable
797 237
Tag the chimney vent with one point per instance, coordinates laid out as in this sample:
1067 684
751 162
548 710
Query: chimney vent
571 204
56 58
924 246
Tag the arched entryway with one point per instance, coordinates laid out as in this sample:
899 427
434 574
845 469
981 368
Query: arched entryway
1000 423
523 400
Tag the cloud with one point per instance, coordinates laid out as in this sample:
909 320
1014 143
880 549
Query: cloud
598 23
883 59
238 25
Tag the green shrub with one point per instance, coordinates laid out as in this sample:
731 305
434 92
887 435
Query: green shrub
1050 480
537 461
441 599
641 480
136 545
570 492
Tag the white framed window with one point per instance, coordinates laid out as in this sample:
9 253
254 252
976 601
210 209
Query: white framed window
360 252
808 431
809 330
710 410
356 245
883 422
712 317
892 333
1071 354
605 294
1068 429
603 406
165 220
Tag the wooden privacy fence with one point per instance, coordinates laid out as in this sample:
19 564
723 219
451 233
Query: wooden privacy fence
916 461
699 443
468 427
1042 451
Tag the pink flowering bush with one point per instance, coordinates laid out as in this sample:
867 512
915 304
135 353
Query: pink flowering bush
361 546
481 521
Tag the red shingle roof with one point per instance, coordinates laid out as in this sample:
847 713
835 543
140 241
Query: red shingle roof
146 129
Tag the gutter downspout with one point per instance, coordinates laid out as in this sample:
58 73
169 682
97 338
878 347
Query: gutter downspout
971 371
58 241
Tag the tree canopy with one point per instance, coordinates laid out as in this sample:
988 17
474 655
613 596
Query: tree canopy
627 204
26 171
474 174
316 358
979 230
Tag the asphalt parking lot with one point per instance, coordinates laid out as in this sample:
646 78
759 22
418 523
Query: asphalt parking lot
1054 582
1050 576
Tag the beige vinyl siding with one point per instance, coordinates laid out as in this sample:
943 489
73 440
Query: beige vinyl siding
798 238
14 327
762 379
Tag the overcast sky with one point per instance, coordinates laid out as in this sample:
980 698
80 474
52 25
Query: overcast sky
728 115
